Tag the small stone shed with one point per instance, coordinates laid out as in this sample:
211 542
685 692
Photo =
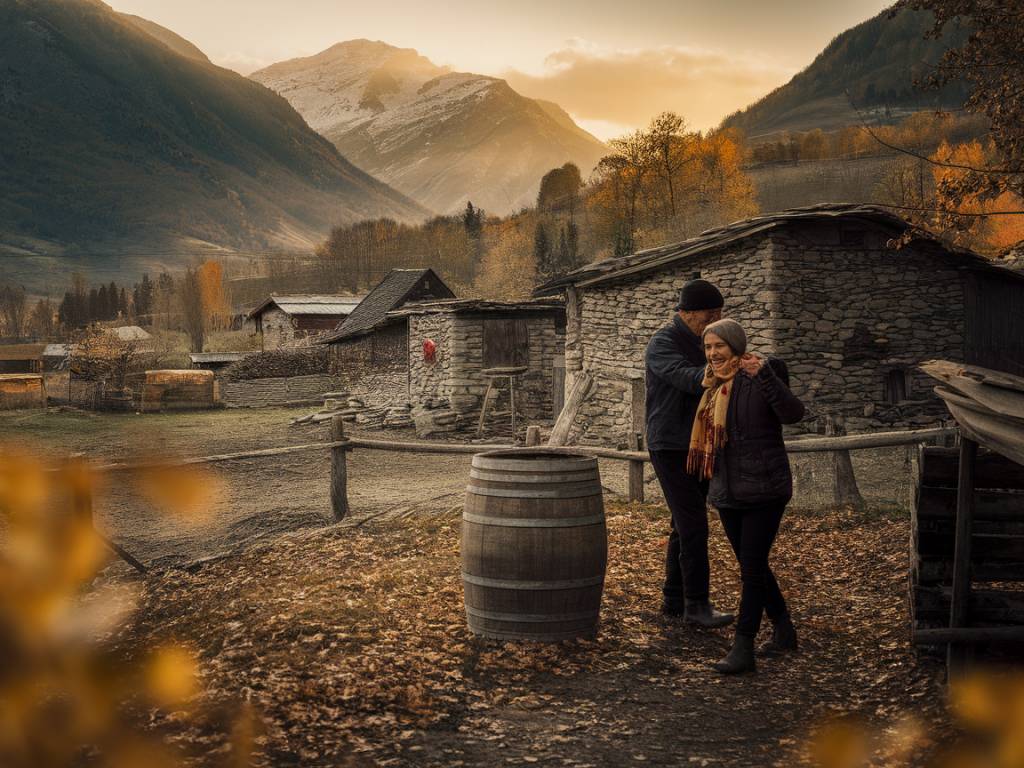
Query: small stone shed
178 390
371 346
284 321
825 289
469 337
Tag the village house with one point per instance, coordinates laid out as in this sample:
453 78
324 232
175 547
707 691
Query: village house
21 358
825 289
286 321
369 347
458 349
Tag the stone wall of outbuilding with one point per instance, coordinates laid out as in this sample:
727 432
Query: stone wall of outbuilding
456 375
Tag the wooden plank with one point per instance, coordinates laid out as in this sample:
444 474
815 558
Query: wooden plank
339 470
989 505
986 606
582 386
958 656
636 472
859 442
936 571
965 635
939 468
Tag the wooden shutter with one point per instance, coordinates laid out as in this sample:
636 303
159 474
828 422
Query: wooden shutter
506 343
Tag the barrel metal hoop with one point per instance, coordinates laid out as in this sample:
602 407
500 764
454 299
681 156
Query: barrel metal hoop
555 464
533 522
483 581
527 478
556 493
533 617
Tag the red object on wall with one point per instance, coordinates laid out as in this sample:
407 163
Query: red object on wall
429 350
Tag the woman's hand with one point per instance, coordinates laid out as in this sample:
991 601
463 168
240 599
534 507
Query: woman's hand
751 364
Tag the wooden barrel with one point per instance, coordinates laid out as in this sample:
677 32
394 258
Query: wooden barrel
534 545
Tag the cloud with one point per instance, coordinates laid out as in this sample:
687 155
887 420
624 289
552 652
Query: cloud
629 87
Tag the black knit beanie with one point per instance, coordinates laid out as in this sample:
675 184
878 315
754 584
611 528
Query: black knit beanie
699 294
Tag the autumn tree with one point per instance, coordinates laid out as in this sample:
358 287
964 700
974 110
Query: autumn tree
667 145
41 322
508 271
992 62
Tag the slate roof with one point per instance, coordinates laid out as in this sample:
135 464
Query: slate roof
389 294
455 306
310 304
653 258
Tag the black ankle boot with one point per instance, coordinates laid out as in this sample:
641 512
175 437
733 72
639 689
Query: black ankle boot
673 606
783 639
740 659
702 613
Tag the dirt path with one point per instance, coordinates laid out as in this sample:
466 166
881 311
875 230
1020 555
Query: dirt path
352 645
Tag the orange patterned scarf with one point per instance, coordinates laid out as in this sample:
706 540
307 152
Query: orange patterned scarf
708 436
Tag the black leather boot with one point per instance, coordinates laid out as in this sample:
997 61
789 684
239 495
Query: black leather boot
783 639
673 606
740 659
702 613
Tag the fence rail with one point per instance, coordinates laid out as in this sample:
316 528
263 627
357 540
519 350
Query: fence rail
339 445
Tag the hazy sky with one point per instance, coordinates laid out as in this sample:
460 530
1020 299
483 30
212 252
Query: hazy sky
612 65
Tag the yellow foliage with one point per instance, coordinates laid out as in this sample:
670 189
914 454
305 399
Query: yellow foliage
507 270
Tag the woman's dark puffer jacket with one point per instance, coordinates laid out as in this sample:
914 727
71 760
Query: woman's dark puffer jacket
753 467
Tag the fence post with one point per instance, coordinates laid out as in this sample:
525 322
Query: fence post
339 471
532 437
636 470
845 492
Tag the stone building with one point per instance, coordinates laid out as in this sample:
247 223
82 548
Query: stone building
456 347
369 349
286 321
823 288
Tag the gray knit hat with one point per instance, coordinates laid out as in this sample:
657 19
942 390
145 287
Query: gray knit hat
730 332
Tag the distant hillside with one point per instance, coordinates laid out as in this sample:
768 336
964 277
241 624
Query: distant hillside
876 62
115 143
175 42
440 137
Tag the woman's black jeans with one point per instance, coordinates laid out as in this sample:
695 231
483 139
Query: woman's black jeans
752 533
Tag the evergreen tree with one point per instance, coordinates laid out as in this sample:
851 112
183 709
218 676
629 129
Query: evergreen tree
112 301
542 250
473 220
573 241
122 303
93 311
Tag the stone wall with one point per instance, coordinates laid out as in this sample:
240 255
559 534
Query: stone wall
841 315
266 393
456 373
852 317
278 329
374 365
609 325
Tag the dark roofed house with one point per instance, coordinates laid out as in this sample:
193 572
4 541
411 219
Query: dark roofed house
825 289
369 343
286 321
21 358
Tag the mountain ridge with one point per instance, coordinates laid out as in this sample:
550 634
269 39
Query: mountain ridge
440 136
113 140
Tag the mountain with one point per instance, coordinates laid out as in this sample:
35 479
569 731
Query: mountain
115 143
875 62
439 136
172 40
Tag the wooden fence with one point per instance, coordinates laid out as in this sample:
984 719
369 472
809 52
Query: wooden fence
339 445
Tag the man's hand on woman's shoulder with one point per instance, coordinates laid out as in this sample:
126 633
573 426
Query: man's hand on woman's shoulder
751 364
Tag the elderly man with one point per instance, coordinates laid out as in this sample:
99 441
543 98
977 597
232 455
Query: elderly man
675 365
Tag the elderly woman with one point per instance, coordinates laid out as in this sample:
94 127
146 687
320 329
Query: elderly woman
737 444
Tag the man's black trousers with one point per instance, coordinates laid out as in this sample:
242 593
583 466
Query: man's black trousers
687 572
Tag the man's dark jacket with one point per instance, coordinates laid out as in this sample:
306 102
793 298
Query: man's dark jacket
675 365
753 467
